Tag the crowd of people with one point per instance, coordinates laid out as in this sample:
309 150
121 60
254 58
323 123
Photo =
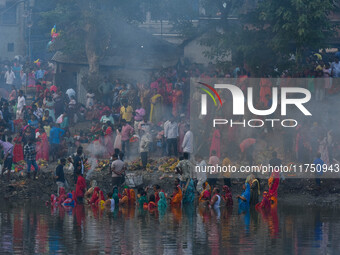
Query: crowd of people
186 190
139 120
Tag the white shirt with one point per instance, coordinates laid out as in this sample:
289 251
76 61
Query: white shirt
21 102
9 76
217 203
165 126
171 130
144 143
188 142
201 174
70 93
117 167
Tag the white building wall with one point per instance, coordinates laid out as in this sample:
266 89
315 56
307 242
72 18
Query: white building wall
13 33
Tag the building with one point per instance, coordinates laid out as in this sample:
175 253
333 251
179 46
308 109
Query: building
14 26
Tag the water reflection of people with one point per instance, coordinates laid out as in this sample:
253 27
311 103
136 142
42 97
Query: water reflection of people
79 212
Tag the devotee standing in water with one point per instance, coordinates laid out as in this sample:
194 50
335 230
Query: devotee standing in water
80 188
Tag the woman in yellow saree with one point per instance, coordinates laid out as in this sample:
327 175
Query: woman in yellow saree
177 197
206 193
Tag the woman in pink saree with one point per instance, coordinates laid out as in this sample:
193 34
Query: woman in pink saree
42 147
108 141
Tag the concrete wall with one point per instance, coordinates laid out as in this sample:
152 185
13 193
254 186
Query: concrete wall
13 34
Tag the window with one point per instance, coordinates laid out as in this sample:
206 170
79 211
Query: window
9 14
10 47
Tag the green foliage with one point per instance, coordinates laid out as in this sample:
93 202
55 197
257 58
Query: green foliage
267 35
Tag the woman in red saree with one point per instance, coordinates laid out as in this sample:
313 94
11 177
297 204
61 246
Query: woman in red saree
216 143
18 152
97 196
273 183
42 147
265 203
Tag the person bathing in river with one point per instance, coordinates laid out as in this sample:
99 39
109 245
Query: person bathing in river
89 192
142 198
244 198
216 199
273 183
110 202
228 198
152 204
132 200
254 190
157 189
115 195
124 201
162 201
80 188
205 194
177 196
189 192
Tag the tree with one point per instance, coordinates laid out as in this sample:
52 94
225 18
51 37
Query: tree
270 33
85 27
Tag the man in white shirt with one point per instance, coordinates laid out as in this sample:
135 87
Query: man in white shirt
171 135
118 168
9 77
188 140
21 104
336 68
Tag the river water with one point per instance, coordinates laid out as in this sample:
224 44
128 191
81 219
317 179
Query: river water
33 228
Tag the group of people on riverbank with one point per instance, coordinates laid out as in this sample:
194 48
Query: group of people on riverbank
134 119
